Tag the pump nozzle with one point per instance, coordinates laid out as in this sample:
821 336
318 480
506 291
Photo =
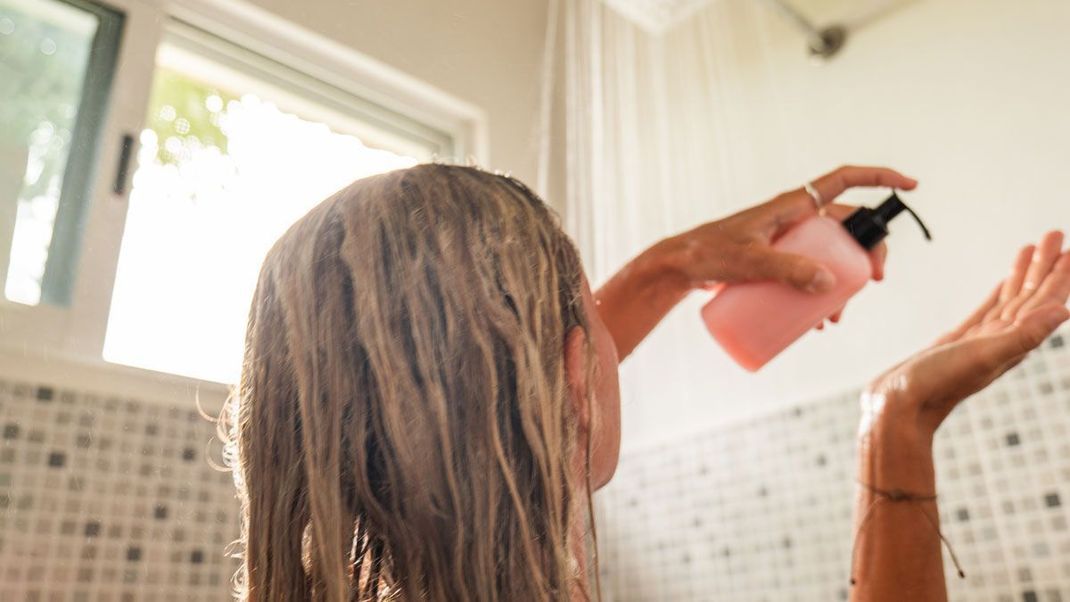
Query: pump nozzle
893 206
870 226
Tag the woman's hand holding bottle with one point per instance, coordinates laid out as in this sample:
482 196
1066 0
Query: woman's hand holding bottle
738 248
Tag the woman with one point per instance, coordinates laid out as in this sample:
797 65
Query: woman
430 389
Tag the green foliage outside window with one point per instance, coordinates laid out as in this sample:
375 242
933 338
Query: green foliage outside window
187 110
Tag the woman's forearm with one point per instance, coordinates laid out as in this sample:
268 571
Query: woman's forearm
638 297
897 554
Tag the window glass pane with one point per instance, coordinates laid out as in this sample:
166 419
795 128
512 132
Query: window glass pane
56 60
228 161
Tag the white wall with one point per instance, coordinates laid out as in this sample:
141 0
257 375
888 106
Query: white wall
969 96
487 52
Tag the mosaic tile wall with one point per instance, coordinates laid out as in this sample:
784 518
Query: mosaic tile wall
105 499
762 511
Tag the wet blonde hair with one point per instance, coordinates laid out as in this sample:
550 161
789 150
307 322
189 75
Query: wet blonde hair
403 426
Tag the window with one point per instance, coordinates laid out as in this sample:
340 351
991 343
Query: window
152 150
56 64
235 149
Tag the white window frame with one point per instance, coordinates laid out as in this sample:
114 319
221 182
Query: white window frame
75 333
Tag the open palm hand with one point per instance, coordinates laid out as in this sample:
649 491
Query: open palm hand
1022 311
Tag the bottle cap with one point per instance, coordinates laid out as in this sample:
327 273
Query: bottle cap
870 226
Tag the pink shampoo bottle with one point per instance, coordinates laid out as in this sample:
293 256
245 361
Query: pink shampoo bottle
755 321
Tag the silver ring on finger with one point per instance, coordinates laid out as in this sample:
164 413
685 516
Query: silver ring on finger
815 196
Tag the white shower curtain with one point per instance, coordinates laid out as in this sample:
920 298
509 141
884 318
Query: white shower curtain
658 137
663 132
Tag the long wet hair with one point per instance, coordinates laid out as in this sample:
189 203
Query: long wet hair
403 428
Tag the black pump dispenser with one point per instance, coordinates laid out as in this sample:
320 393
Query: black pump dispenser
870 226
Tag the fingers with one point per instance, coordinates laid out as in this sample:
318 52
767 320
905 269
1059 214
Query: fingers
794 270
877 257
1056 286
1013 283
1029 332
1048 252
796 205
839 211
1044 258
785 211
833 184
833 319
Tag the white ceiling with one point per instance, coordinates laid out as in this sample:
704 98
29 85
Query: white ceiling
657 15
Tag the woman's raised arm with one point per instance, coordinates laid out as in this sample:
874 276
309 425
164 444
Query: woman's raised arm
897 551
